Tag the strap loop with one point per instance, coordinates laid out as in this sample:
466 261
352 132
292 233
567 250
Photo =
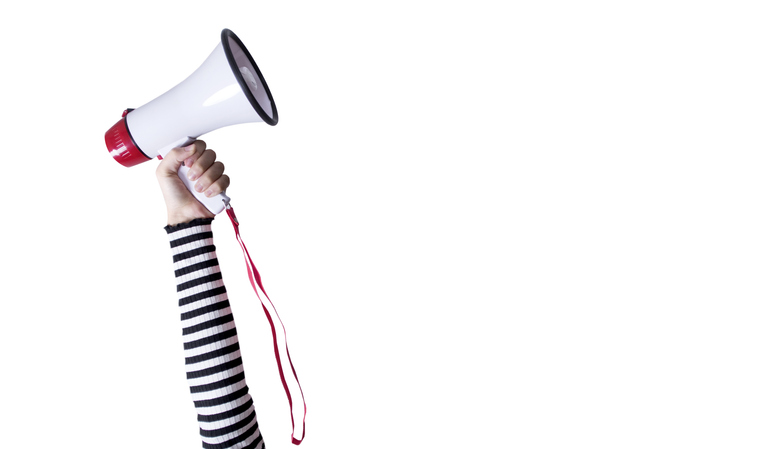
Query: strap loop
254 277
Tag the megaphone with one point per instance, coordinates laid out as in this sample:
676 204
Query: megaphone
227 89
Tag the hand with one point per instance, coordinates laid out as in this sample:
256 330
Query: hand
182 207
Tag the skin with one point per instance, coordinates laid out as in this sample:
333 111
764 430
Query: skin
182 207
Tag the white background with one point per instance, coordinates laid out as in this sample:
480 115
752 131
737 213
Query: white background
485 224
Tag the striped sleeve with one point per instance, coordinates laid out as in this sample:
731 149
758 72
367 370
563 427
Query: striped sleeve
214 369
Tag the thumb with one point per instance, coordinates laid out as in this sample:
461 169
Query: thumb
174 159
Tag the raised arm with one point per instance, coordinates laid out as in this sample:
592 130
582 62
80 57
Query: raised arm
214 368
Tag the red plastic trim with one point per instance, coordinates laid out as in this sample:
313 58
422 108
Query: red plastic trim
121 146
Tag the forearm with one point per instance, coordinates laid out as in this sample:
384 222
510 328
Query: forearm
213 362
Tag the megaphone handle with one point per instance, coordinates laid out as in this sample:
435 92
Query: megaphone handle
215 204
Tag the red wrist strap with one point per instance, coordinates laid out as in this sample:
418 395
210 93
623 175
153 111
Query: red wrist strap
254 277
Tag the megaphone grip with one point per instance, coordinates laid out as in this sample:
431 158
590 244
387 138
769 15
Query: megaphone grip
215 204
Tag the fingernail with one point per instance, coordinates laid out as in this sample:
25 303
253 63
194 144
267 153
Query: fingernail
199 187
208 193
190 148
191 175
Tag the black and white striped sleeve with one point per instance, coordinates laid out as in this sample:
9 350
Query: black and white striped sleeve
214 368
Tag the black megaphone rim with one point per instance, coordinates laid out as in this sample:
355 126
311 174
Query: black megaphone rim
226 35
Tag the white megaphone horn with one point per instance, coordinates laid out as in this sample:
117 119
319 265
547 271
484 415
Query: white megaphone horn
226 89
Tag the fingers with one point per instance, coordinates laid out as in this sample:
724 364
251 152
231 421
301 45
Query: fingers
213 180
203 168
208 174
200 164
171 162
218 186
199 150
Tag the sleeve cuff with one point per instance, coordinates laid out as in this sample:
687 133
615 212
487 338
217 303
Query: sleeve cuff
181 226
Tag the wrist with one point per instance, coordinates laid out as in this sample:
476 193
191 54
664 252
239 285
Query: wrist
175 220
181 215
